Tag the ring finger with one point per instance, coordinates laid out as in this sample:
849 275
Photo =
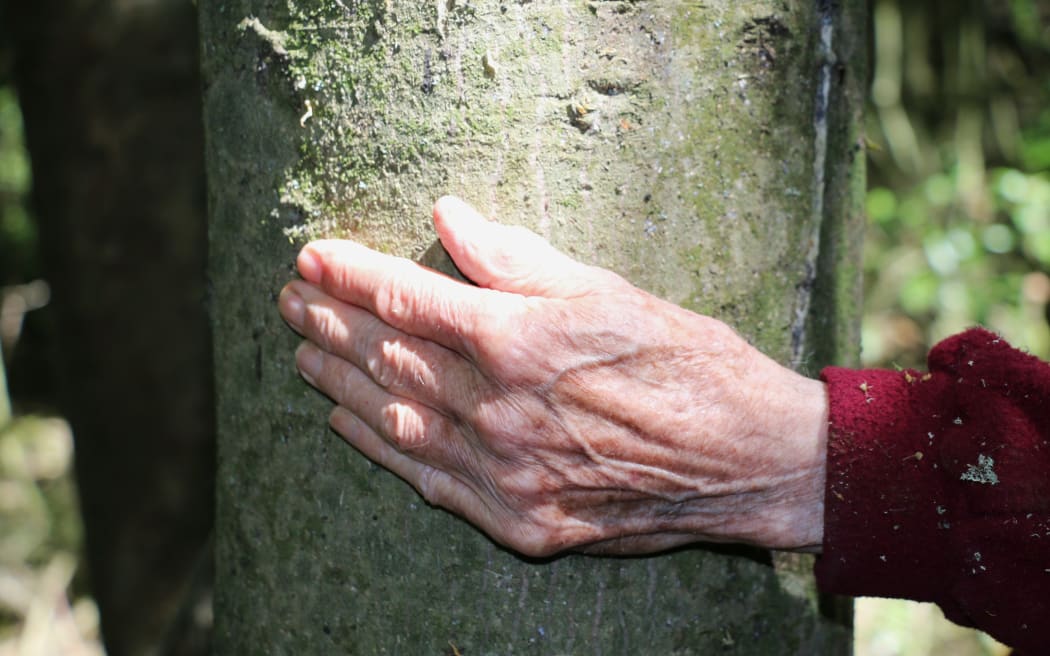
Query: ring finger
412 427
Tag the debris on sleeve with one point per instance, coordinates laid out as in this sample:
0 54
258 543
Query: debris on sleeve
982 472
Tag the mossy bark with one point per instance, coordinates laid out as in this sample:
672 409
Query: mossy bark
708 152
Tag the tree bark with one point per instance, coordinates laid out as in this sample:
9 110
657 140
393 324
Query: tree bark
709 152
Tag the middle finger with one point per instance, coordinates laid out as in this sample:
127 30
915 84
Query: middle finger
400 363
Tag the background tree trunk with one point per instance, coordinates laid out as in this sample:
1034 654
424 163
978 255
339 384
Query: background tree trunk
5 401
709 152
110 95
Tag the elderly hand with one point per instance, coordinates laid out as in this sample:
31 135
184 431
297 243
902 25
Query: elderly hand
555 405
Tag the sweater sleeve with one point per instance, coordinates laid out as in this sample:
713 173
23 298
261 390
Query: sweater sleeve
938 487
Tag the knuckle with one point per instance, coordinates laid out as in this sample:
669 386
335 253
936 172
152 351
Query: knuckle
394 362
392 298
386 298
404 425
490 423
425 485
516 426
341 382
535 542
386 363
545 527
322 324
526 486
412 428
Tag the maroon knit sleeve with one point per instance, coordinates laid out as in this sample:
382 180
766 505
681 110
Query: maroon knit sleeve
938 487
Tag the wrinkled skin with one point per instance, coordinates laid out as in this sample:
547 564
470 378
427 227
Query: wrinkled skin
556 406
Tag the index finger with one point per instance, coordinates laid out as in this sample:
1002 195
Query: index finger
406 295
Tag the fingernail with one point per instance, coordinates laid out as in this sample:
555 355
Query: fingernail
449 203
453 207
292 308
308 358
309 265
341 420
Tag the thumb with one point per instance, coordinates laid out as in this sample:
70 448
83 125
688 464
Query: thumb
510 258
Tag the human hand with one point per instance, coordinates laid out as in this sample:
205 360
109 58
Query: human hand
555 405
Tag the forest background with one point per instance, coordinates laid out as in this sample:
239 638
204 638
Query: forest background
959 234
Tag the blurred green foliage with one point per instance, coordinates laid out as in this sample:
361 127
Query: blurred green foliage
959 199
40 528
934 269
38 508
40 541
890 627
17 229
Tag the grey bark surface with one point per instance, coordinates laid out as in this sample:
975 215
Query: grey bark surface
709 152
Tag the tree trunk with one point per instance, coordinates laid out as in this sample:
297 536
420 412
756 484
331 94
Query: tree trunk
110 95
709 152
5 401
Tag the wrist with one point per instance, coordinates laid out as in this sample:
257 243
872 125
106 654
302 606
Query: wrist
793 421
766 427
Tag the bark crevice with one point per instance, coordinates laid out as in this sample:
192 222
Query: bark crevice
826 62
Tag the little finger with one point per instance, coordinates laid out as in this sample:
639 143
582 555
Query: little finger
437 487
